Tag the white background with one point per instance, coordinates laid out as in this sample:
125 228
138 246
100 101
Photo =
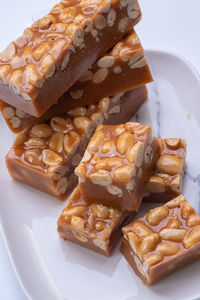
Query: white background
171 25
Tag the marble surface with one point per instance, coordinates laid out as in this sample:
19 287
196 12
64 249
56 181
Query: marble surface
168 25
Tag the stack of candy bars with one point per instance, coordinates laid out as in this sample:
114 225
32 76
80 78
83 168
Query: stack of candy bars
79 71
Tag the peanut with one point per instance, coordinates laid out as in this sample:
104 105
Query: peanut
41 50
100 226
173 143
156 215
33 156
124 142
100 211
78 111
15 81
56 142
136 154
92 221
46 22
35 143
106 61
61 125
156 185
16 122
123 24
187 210
153 259
8 112
88 75
193 220
100 75
75 211
76 94
139 265
71 142
167 249
48 66
8 53
57 171
41 130
101 244
111 17
79 236
149 243
97 118
169 164
76 34
21 114
32 76
68 14
62 185
124 3
175 202
141 229
119 129
124 173
104 6
148 154
103 179
114 190
133 9
176 184
100 22
82 124
131 126
87 157
133 241
4 71
50 158
142 130
109 163
108 146
77 223
174 235
80 171
96 140
193 238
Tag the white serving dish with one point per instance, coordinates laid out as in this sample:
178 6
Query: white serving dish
49 268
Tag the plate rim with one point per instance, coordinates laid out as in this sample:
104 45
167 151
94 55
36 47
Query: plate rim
173 54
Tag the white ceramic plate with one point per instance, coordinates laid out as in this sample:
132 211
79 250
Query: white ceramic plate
49 268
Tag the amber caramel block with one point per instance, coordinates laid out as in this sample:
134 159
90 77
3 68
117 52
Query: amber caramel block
163 241
51 55
94 226
117 165
45 155
166 182
121 69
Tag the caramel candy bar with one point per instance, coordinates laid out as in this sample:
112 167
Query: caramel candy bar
45 155
117 165
166 182
40 66
95 226
164 240
127 69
